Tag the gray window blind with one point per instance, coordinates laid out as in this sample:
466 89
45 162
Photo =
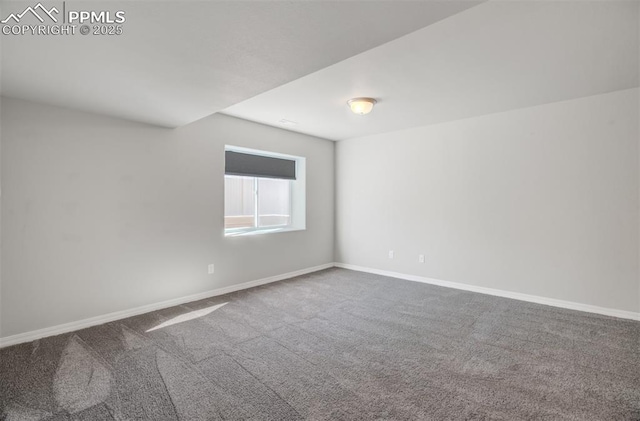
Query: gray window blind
248 165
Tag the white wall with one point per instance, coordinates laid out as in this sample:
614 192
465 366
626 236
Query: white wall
541 201
101 215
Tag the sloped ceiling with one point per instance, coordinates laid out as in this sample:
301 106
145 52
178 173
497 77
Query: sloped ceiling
494 57
179 61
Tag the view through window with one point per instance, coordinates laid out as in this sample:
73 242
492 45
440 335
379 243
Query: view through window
254 202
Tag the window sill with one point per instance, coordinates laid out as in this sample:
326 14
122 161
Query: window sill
260 231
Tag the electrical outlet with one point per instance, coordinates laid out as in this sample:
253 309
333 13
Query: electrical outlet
390 254
210 268
421 258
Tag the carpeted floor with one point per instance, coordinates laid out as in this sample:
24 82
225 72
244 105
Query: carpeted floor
335 344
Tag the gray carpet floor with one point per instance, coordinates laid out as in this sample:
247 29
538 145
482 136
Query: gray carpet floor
335 344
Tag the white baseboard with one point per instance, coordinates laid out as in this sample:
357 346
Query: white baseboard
93 321
106 318
500 293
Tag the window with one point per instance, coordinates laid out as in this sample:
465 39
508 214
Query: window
252 202
263 192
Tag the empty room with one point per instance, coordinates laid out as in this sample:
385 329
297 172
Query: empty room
320 210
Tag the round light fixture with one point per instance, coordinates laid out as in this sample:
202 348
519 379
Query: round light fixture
361 106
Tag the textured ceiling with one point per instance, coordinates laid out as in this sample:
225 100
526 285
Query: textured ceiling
494 57
179 61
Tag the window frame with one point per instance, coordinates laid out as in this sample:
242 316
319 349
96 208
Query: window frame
256 213
296 194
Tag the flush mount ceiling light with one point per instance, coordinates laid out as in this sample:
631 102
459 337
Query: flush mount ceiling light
361 106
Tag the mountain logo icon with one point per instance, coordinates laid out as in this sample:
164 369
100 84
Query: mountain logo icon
34 11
